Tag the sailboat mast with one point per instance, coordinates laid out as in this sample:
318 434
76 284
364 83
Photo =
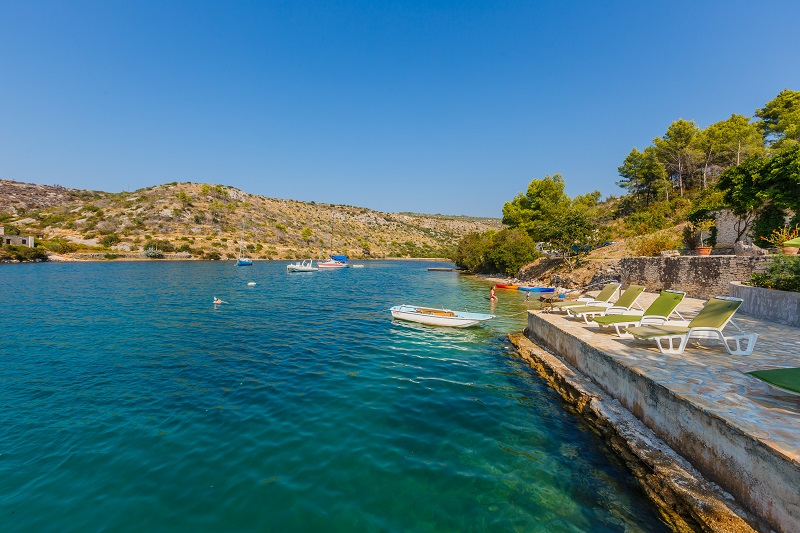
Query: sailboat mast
331 233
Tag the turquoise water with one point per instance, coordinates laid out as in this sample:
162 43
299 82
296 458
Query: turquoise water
130 403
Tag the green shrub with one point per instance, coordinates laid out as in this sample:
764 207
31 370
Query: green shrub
22 253
160 244
109 240
59 246
491 252
655 243
783 274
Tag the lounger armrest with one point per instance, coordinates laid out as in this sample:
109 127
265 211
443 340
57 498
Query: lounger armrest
651 320
701 332
585 299
599 303
677 322
616 310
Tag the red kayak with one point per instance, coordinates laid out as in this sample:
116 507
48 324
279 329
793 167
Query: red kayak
504 286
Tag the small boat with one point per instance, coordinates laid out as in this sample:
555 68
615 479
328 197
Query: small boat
242 260
504 286
438 317
536 289
335 261
305 266
356 266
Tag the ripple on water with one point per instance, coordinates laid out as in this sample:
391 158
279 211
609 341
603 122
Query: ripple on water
299 405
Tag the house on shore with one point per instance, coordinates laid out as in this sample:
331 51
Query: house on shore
15 240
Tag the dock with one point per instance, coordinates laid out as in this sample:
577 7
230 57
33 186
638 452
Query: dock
700 405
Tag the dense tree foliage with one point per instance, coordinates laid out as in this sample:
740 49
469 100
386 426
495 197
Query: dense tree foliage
570 227
748 165
780 119
504 251
533 211
679 153
645 178
764 190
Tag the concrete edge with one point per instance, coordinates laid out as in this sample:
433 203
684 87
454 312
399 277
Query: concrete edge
685 499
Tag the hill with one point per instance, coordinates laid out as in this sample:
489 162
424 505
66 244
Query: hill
206 221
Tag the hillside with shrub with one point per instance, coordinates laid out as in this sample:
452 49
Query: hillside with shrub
208 221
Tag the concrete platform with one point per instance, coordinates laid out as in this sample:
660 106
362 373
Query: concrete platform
724 422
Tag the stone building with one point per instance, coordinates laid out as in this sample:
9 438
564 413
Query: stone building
16 240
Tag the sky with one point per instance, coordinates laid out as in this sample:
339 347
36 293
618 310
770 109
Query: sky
448 107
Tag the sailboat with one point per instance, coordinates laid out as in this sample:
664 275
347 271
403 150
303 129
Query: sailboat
242 260
334 261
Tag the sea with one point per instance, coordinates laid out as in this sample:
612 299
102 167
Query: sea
130 402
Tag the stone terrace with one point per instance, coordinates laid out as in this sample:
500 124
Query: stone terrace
701 403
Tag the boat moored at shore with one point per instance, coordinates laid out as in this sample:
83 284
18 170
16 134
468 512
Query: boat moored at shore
438 317
335 261
306 265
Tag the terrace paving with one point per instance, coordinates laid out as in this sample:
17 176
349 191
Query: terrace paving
705 376
708 375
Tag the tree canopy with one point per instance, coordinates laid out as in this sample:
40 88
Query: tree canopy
780 119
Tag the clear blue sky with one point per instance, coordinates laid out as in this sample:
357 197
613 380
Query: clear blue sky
436 107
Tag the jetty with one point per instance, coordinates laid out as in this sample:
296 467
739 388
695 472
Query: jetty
711 445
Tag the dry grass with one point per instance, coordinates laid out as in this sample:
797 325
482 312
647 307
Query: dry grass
209 218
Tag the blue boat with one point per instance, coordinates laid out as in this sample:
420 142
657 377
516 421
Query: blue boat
536 289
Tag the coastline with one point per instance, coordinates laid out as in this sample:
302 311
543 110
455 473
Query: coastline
94 257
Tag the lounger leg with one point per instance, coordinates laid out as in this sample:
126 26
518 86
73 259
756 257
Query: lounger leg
684 340
747 340
623 334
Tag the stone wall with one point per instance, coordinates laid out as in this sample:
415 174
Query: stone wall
699 276
781 307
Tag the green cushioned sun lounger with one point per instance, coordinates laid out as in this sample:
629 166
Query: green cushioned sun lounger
784 379
605 295
708 324
657 313
624 303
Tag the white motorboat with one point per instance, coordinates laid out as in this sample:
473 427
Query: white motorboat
438 317
304 266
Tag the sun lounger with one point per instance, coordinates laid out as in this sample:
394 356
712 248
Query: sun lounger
603 297
708 324
783 381
623 304
657 313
